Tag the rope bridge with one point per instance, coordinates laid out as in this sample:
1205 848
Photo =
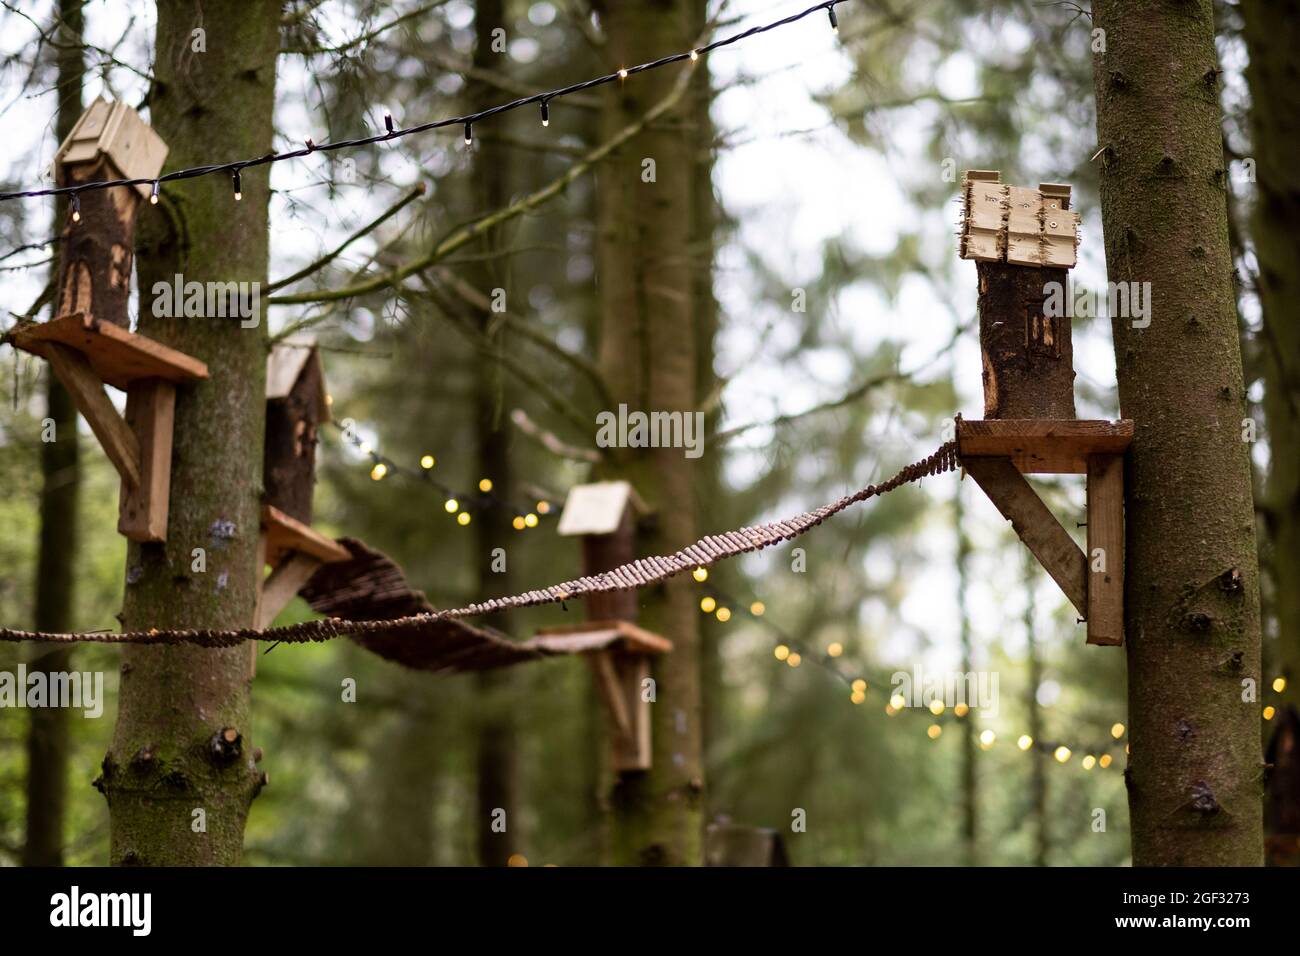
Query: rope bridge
636 574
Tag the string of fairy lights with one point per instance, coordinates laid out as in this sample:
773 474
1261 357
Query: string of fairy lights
791 652
543 100
460 505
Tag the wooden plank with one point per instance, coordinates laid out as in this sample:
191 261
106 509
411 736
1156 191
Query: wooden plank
117 356
280 586
88 393
288 534
150 414
1106 549
611 693
1043 446
591 635
1035 525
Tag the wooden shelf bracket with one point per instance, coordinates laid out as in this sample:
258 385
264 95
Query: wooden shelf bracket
86 355
998 453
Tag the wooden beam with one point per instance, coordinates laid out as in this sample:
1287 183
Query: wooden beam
280 586
150 413
118 357
1035 525
1106 549
610 685
1043 446
88 393
286 534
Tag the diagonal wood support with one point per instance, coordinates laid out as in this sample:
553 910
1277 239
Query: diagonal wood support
1037 527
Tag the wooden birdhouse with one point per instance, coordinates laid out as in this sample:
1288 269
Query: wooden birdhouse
604 514
1023 242
97 244
87 343
296 406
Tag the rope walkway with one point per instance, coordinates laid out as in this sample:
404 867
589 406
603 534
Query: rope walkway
636 574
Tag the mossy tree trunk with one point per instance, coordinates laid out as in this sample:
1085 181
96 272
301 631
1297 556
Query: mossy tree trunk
47 735
182 741
1272 32
1192 594
649 354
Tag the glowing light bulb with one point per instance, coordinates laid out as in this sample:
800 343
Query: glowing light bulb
76 208
238 185
859 686
835 23
700 574
518 523
1269 712
546 114
1105 761
834 649
724 614
987 739
1117 730
543 507
708 605
153 195
857 698
933 731
485 484
1279 684
517 859
469 134
530 519
427 462
1025 742
897 702
936 707
463 518
1089 762
378 472
1062 754
794 659
695 55
961 710
622 74
781 652
758 609
452 506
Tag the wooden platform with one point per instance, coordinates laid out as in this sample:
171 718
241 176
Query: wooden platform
116 356
591 636
1043 447
285 535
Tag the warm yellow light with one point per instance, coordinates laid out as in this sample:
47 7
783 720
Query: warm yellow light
897 702
530 519
378 472
518 523
987 739
329 399
452 506
857 697
933 731
427 462
781 652
758 608
463 518
517 859
1062 754
622 74
794 659
365 448
1279 684
543 507
936 707
485 484
891 710
700 574
724 614
1025 742
695 55
707 605
1117 731
835 649
1089 762
1105 761
859 686
1269 712
961 710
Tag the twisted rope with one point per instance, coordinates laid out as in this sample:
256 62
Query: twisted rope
636 574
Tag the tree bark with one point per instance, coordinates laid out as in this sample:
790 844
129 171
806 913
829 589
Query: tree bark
1038 759
1272 32
1028 356
182 741
649 353
969 753
47 734
1192 592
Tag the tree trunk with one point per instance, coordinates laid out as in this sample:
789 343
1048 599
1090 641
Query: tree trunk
496 749
47 734
1272 32
1038 759
1192 598
969 754
182 741
649 355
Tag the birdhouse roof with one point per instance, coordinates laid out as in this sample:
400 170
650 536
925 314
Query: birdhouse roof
285 365
115 131
598 508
